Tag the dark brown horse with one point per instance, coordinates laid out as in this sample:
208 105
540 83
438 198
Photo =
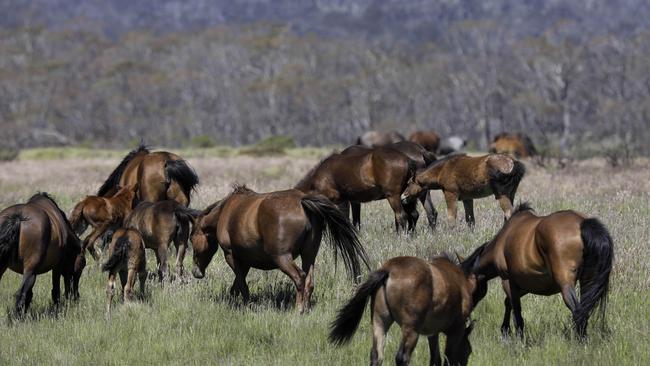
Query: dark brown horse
424 298
518 145
422 159
363 175
465 178
378 138
36 237
160 175
101 213
159 224
427 139
125 256
546 255
268 231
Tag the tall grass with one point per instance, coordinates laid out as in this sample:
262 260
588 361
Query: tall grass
197 322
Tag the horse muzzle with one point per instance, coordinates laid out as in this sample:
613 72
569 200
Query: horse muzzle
196 272
404 198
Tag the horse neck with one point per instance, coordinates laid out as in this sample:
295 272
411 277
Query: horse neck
121 202
430 178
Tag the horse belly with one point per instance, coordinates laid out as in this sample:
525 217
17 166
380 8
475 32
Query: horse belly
538 284
475 192
367 195
254 257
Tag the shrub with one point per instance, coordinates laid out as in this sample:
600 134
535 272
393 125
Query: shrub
202 141
273 145
8 153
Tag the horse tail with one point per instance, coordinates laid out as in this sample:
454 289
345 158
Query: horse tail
507 183
597 259
348 318
429 157
183 174
185 214
113 179
9 237
119 255
343 236
77 220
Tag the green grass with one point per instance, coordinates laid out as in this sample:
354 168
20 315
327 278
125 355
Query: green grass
197 322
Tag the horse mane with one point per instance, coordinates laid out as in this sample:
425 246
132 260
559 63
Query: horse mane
114 178
311 171
522 207
444 255
470 264
240 189
445 159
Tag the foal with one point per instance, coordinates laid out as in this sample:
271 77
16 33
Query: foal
101 213
424 298
126 257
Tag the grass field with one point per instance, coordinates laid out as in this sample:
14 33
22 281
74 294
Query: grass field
197 323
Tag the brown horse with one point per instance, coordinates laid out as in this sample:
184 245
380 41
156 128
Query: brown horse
424 298
427 139
125 256
422 159
518 145
465 178
36 237
545 255
160 175
159 224
363 175
101 213
268 231
377 138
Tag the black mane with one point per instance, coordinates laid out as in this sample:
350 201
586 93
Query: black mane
114 178
470 264
522 207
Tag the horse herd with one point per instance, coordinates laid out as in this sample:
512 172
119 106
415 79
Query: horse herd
144 203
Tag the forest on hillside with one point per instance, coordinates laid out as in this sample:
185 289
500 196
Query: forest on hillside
575 87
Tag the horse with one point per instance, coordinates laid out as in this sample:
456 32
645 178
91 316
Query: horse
268 231
101 213
424 298
422 159
160 223
518 145
160 175
36 237
363 175
378 138
546 255
465 178
452 144
427 139
125 256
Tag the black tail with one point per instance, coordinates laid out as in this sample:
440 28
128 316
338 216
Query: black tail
343 236
429 157
185 214
507 183
9 236
114 179
183 174
597 259
348 318
120 254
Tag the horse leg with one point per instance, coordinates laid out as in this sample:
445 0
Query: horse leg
409 341
24 294
130 283
505 325
469 212
432 214
381 322
515 303
297 275
412 215
451 198
56 286
110 291
163 268
434 351
89 242
506 205
401 217
123 277
180 241
356 214
239 284
344 206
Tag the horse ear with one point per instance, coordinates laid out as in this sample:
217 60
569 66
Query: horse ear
461 259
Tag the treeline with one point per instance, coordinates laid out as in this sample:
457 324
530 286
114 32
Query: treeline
234 85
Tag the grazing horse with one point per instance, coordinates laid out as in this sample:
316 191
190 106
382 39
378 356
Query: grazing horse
125 256
518 145
422 159
268 231
427 139
160 175
424 298
465 178
101 213
159 224
363 175
545 255
36 237
377 138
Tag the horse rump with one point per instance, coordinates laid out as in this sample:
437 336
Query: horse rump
119 256
9 237
507 183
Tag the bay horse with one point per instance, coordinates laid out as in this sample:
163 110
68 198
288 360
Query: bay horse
268 231
465 178
546 255
379 138
518 145
422 159
101 213
427 139
160 223
36 237
160 175
424 298
364 175
125 256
